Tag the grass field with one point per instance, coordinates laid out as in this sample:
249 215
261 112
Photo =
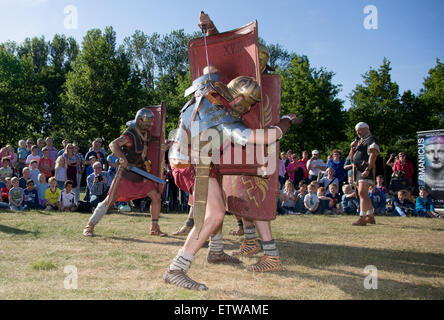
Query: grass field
324 258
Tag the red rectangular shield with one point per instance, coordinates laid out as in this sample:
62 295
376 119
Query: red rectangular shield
156 149
255 197
235 53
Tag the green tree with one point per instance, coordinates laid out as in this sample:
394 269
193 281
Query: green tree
102 92
432 95
310 93
377 103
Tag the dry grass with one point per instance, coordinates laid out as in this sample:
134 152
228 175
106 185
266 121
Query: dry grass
324 258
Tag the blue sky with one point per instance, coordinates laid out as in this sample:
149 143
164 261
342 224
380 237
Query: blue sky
330 33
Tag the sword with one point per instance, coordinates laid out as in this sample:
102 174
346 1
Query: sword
145 174
204 31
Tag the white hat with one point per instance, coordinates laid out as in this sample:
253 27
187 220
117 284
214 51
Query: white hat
315 152
361 125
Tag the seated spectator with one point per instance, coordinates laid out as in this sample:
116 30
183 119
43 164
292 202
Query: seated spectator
325 203
34 172
336 197
15 196
5 190
424 205
33 156
68 198
52 195
6 170
329 178
31 197
338 166
98 183
45 163
350 203
398 182
288 198
42 186
113 163
60 171
29 144
8 152
22 154
378 200
26 175
380 185
402 164
311 200
402 206
300 196
3 205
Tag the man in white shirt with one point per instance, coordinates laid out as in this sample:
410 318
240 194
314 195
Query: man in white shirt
315 165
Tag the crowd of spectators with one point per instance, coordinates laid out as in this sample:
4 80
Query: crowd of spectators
314 186
38 176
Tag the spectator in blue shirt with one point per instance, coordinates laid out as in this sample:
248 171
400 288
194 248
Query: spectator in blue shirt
338 165
402 205
424 205
350 203
30 196
378 200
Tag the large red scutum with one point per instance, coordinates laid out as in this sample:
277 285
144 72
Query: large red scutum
156 149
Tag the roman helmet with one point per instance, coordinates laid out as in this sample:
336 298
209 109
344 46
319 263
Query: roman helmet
147 117
264 56
246 87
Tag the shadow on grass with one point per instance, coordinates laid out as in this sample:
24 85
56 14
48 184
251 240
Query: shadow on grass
322 256
10 230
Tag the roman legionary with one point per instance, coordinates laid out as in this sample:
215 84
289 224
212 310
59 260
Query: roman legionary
364 153
215 108
131 148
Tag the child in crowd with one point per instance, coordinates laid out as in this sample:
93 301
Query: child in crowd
22 154
288 197
26 175
380 185
350 203
325 203
5 190
68 198
60 171
34 171
300 196
52 195
15 196
45 164
378 200
328 178
6 170
402 205
41 190
334 195
424 205
33 156
311 200
30 197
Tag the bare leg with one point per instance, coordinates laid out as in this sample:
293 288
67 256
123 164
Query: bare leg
155 213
